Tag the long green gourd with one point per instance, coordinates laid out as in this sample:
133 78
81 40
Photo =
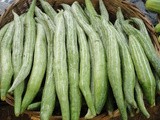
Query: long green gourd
118 23
119 28
99 66
141 27
113 62
103 10
48 9
139 99
45 17
66 6
17 55
60 66
99 99
147 45
128 71
99 78
114 70
38 70
6 61
83 14
49 95
85 69
73 65
30 36
2 33
143 70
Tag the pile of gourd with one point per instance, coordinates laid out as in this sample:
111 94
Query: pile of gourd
77 53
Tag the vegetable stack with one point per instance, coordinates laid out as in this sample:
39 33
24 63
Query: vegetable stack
75 59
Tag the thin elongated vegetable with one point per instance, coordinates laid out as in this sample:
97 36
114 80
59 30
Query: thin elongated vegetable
48 96
119 15
104 18
143 70
99 99
48 9
128 72
139 99
119 28
17 55
114 72
147 45
6 61
30 33
66 6
103 10
90 114
34 106
141 27
38 70
45 17
3 31
81 12
99 76
60 66
96 22
85 69
119 22
73 66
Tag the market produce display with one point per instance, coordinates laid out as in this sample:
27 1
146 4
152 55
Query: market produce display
75 59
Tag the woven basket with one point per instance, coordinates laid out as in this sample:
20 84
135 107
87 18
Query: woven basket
129 10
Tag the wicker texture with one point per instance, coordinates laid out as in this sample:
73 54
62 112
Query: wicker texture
129 10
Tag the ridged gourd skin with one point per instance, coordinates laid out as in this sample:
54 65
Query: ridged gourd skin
85 69
60 66
29 44
139 99
143 70
108 29
17 55
44 16
6 61
100 86
141 26
73 65
99 67
38 69
48 9
147 45
114 70
128 71
49 95
2 33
